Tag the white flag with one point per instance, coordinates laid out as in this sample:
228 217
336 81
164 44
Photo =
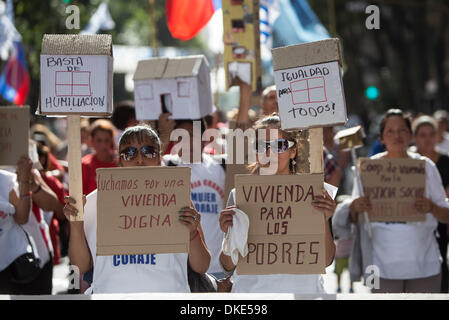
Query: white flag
8 33
101 20
268 13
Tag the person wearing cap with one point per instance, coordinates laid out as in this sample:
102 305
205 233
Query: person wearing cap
442 117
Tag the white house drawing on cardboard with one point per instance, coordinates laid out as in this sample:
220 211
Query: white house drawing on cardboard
179 85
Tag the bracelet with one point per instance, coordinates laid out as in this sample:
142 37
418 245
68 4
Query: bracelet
26 196
39 188
196 234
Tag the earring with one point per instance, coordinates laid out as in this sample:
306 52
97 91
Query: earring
294 162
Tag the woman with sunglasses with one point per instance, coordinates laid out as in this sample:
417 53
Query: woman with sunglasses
282 148
138 146
405 255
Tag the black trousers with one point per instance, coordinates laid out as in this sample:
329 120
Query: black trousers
442 243
43 284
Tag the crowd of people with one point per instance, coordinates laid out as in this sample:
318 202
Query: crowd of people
35 208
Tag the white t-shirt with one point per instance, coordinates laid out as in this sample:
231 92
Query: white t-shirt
207 184
278 283
40 232
13 241
132 273
409 250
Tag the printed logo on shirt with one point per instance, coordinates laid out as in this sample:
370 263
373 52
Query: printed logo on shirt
134 259
206 202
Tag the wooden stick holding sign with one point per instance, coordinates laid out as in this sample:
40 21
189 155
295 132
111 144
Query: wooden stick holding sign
316 150
75 171
76 80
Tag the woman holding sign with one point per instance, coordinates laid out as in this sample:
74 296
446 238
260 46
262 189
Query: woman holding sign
280 147
400 257
138 146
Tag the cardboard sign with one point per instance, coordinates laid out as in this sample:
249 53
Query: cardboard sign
178 85
14 134
241 37
309 85
393 185
137 210
76 75
286 234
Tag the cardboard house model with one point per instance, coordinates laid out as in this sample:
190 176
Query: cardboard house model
178 85
241 39
76 75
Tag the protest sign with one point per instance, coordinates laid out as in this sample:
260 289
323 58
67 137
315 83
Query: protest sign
14 134
309 85
76 75
393 185
137 210
179 85
76 80
286 233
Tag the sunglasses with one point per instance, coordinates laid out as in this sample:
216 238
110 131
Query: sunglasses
130 153
278 146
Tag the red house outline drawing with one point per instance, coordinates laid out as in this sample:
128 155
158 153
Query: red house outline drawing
73 84
307 88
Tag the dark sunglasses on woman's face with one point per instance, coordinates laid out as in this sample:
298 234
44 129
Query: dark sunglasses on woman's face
278 146
130 153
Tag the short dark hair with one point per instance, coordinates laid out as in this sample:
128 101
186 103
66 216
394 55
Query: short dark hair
395 112
190 121
123 112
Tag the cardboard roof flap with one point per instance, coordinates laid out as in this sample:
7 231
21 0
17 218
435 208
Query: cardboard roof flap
75 44
151 68
348 132
166 68
306 54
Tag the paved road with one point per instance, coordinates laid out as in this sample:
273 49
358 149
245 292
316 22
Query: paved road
61 282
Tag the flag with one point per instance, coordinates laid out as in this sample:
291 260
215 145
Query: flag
297 23
8 33
185 19
268 13
15 79
101 20
9 10
286 22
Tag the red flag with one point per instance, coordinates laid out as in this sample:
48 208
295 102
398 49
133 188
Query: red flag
186 18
